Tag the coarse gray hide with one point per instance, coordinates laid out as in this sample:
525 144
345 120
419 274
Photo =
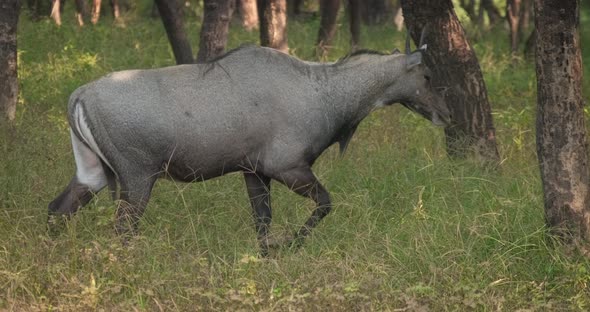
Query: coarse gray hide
254 110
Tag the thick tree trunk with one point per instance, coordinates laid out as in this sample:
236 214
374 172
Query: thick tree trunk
249 14
215 29
272 15
457 71
354 15
329 13
171 14
9 12
562 146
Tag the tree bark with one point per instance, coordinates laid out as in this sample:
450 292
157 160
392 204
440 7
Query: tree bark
272 15
329 14
249 14
398 16
171 14
562 146
456 70
9 12
214 29
354 15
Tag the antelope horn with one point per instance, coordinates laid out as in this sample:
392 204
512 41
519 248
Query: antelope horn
422 36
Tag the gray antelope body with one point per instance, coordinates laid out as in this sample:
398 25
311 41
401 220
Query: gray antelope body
254 110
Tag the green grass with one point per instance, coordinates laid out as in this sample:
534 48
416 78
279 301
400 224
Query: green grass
410 228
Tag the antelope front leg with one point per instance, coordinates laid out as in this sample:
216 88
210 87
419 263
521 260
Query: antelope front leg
259 192
303 182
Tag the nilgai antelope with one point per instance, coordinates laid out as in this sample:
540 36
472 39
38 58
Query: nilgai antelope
254 110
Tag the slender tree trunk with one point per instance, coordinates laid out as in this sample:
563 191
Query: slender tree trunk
513 15
81 11
115 8
562 146
39 8
95 11
56 12
214 29
272 15
469 7
354 15
493 13
456 70
249 14
398 17
9 12
374 11
171 14
329 14
297 7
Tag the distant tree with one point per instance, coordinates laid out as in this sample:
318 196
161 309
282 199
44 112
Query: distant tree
518 15
39 8
354 15
456 70
562 145
56 9
171 14
81 11
492 11
95 16
375 11
272 15
215 28
329 14
249 14
8 59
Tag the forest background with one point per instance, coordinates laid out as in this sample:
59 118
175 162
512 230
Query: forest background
411 229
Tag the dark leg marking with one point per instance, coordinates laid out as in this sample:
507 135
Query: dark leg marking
259 192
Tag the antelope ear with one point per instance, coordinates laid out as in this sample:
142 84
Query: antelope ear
423 47
413 60
396 51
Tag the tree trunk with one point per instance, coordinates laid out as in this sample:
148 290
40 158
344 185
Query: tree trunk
493 13
9 12
249 14
297 5
329 13
456 70
56 12
354 15
272 15
81 11
214 29
115 8
398 17
95 11
171 14
469 7
561 133
374 11
513 15
39 8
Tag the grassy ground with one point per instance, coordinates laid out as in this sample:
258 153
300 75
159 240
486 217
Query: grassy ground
410 231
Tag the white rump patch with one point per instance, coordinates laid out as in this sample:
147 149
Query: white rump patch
88 156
